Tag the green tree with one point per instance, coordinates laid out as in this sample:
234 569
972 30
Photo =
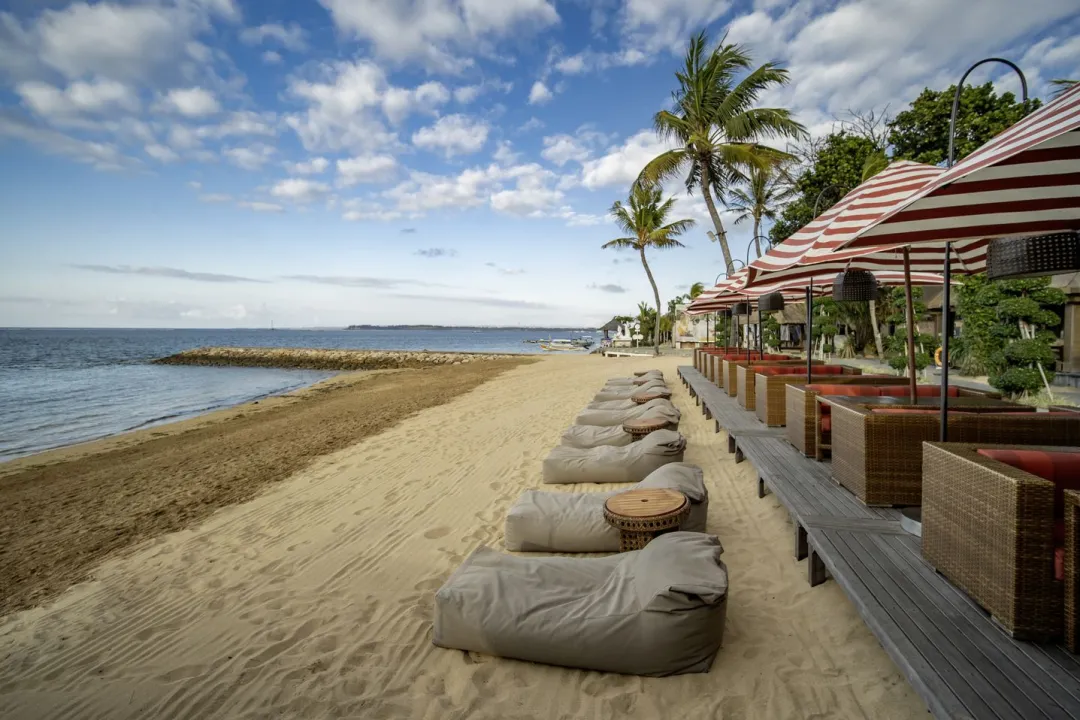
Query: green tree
1007 330
695 290
716 125
645 220
921 133
761 193
833 167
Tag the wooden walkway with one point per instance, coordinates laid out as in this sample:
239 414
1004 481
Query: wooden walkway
959 661
725 411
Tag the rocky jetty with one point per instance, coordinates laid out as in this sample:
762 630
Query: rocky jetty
321 359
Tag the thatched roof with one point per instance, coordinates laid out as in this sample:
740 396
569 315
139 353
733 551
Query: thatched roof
611 325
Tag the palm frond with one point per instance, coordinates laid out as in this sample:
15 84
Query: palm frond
624 243
662 168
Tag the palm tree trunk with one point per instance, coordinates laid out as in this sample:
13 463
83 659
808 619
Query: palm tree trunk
656 294
757 234
877 330
721 235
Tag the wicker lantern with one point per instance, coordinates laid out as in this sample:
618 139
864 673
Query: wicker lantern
855 286
1033 256
741 309
773 302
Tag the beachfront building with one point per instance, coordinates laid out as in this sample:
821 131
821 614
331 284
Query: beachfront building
691 331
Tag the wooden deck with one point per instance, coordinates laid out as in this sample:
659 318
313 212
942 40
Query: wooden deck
725 411
959 661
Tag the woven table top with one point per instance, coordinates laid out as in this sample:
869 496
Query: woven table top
642 398
644 425
645 503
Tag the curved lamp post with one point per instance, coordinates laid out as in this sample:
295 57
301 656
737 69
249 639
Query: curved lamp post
946 300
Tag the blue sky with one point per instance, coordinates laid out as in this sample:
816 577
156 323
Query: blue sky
222 163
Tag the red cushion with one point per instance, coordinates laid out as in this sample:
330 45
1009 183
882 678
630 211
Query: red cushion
1060 467
906 411
829 369
837 389
779 370
826 421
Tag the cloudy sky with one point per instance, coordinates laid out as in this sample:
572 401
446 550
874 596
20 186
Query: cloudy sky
222 163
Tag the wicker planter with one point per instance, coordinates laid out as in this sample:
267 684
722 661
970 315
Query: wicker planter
730 374
1022 257
747 380
988 527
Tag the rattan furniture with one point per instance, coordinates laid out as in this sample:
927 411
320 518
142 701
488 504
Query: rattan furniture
771 391
802 407
642 398
641 515
1072 570
714 363
746 377
640 427
730 374
989 526
877 451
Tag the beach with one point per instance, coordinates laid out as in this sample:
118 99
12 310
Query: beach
305 588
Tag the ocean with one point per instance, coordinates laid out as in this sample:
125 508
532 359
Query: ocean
64 386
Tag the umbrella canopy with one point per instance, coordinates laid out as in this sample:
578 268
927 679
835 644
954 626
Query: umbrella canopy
1025 181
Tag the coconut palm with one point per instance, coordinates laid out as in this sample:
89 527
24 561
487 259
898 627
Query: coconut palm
716 127
1063 85
644 218
761 195
695 290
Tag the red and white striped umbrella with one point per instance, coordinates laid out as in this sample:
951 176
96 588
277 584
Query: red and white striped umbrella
1025 181
791 288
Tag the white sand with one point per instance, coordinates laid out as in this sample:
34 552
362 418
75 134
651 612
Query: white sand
315 599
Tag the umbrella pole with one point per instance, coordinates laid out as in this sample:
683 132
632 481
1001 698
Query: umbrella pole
945 314
809 332
747 330
761 334
910 322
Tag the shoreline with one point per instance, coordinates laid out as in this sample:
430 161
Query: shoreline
65 510
299 358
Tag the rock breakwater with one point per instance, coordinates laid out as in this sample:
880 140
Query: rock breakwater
321 359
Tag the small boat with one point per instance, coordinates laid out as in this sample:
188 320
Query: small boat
560 345
583 342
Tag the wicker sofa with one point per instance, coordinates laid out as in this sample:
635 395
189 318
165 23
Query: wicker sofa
771 390
701 353
748 377
877 452
803 425
996 521
715 364
730 375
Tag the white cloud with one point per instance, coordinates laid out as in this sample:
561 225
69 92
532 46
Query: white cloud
622 164
190 102
399 103
214 198
505 270
161 153
504 154
531 124
590 61
249 158
431 31
366 169
299 190
103 156
340 112
561 149
653 25
467 93
96 96
314 166
261 206
183 137
271 58
241 123
453 135
539 94
292 37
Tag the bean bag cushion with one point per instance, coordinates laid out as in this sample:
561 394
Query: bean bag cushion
590 436
654 408
543 521
628 391
611 404
655 611
607 464
651 375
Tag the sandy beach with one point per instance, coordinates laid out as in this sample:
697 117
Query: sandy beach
312 597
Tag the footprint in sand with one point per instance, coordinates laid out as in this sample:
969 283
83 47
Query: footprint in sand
437 532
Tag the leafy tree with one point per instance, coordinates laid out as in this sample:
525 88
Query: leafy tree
716 125
761 194
833 167
921 133
645 220
1007 331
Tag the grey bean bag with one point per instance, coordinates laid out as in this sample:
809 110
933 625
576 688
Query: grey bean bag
654 408
574 522
611 405
652 375
656 611
590 436
606 464
627 392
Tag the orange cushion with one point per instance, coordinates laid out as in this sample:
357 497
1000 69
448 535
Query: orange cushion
826 421
1060 467
829 369
779 370
852 390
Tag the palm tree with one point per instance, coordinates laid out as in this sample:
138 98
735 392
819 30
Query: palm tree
695 290
1062 85
761 195
716 126
644 219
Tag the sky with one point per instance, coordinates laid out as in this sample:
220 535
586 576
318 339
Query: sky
232 163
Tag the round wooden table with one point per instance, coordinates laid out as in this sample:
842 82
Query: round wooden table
643 397
640 427
641 515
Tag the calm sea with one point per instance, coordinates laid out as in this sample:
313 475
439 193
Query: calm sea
63 386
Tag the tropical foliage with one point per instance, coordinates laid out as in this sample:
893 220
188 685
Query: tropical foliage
716 127
645 220
760 195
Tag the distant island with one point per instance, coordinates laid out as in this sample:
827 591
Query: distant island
468 327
